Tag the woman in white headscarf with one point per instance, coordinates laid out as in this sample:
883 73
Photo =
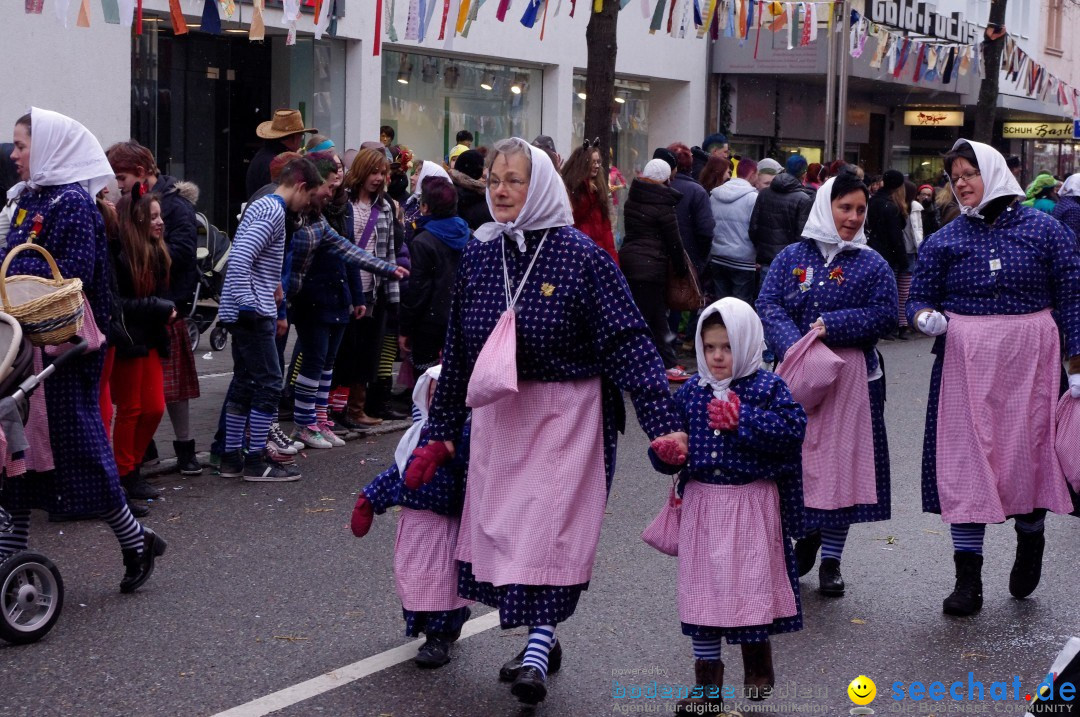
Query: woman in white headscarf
833 284
543 337
62 168
986 285
1067 210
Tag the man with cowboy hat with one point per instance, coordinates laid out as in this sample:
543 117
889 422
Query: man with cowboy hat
284 133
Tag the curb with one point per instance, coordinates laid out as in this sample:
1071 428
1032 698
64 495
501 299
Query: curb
168 465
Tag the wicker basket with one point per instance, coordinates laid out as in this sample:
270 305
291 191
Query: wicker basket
50 310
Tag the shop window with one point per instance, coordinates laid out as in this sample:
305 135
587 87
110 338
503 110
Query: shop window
810 154
428 99
1054 22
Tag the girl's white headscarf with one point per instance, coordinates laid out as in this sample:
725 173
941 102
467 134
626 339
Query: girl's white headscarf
546 205
1071 188
411 439
747 338
428 169
62 151
821 227
997 180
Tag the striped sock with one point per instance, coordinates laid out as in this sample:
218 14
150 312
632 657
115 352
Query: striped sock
338 398
968 537
304 400
707 648
1034 526
126 529
832 542
322 398
260 430
18 536
541 640
235 428
386 358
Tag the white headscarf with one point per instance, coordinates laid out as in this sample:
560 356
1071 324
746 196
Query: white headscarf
546 205
62 151
821 227
428 169
747 337
997 180
411 439
1071 187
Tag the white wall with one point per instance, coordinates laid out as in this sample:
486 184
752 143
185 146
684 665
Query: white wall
83 73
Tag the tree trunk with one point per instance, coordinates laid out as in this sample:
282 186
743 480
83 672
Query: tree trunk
600 75
986 109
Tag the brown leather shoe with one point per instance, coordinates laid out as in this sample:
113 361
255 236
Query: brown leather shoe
708 674
354 409
758 670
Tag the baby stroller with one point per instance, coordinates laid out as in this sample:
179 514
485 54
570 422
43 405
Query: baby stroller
31 589
211 256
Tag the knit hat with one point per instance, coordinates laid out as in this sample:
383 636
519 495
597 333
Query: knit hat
544 142
657 170
471 164
892 179
926 186
769 166
714 140
456 151
667 155
795 165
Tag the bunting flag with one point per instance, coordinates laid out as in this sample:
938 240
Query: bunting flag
84 14
138 17
504 5
376 46
391 31
211 20
442 25
543 21
322 22
34 7
228 8
710 12
532 11
176 16
257 31
61 9
111 11
462 17
657 18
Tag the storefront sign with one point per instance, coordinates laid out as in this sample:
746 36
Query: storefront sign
917 17
1037 130
934 118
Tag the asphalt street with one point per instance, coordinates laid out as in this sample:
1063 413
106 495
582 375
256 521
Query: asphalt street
263 587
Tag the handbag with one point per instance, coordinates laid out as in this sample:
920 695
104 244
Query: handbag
683 292
663 531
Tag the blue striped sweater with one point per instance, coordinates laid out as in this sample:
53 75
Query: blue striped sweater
255 261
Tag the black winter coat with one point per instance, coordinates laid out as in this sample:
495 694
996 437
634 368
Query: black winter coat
258 173
696 222
885 230
651 233
472 200
425 304
779 216
137 323
181 236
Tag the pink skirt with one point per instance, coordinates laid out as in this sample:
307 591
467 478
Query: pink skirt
424 567
536 491
996 419
732 571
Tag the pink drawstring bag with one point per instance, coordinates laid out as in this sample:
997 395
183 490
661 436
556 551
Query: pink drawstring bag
494 375
810 369
663 531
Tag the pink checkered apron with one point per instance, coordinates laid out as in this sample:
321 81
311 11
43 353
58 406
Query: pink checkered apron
996 419
424 567
838 452
536 491
732 571
1067 442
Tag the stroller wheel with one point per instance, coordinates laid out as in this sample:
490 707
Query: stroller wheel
218 338
193 334
31 597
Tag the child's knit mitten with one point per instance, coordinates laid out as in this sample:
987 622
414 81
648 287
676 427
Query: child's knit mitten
724 415
426 460
362 515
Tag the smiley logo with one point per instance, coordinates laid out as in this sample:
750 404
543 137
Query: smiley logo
862 690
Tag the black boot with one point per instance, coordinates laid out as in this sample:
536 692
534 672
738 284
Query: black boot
185 458
150 457
139 510
378 401
708 674
136 486
434 653
510 669
138 566
966 598
530 685
758 673
1027 568
830 581
806 550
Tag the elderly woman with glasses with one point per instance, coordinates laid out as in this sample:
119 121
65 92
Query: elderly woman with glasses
543 338
995 286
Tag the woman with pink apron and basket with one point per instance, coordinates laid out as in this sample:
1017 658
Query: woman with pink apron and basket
995 287
825 304
543 336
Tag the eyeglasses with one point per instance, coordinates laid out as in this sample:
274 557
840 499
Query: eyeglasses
515 184
966 177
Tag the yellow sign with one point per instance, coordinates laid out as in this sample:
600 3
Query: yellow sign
1037 130
934 118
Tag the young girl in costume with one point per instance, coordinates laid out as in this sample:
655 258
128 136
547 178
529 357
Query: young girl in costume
424 567
742 500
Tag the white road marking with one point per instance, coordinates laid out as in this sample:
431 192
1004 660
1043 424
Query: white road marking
349 673
215 375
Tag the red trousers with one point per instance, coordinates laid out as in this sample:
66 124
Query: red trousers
139 395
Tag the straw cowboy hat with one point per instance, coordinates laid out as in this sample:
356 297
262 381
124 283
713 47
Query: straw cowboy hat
285 122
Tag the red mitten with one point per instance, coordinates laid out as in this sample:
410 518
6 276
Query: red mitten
717 410
669 451
362 515
426 460
724 415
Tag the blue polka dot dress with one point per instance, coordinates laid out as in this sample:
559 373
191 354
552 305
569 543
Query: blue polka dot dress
856 297
576 320
1024 262
85 480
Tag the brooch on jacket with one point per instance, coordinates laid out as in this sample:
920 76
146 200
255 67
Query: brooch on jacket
547 289
805 275
837 275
